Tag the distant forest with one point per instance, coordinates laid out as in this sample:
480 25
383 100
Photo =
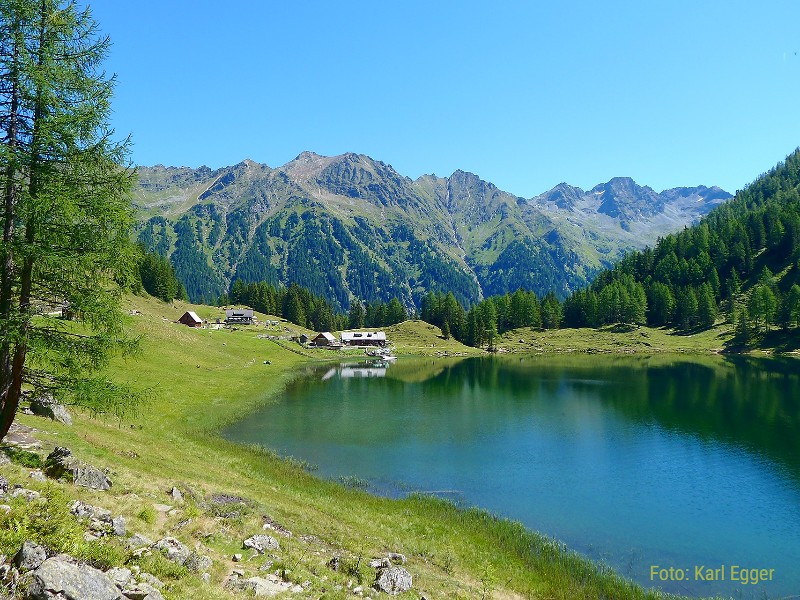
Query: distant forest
742 261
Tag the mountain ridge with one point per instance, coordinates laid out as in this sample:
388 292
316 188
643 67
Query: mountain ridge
385 234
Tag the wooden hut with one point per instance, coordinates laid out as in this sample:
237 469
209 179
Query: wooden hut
190 319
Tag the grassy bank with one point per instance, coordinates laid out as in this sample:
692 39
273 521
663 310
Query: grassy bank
199 380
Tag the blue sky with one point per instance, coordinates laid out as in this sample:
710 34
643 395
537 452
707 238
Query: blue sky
524 94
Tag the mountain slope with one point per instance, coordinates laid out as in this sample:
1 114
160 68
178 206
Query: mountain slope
351 227
743 257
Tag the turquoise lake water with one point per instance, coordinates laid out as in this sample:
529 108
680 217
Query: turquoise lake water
636 462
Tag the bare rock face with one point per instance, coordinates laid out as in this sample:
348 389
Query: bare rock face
61 462
393 581
56 579
47 406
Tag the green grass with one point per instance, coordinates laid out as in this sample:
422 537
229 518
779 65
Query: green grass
201 380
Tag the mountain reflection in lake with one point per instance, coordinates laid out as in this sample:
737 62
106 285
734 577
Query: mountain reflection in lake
635 461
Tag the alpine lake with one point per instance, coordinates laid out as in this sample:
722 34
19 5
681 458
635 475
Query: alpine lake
682 473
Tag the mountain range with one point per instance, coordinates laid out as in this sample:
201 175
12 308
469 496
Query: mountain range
348 227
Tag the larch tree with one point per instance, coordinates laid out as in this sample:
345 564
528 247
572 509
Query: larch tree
65 211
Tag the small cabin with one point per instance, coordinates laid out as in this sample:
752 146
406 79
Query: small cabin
325 339
304 338
239 316
364 338
190 319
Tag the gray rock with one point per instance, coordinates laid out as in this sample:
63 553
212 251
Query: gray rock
142 591
397 558
30 556
4 460
91 477
120 576
261 586
380 563
82 510
261 543
151 579
197 563
29 495
137 540
47 406
393 581
176 495
3 484
5 508
206 578
60 462
59 580
37 475
173 549
118 526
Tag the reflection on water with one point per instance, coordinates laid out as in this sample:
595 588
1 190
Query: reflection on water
634 461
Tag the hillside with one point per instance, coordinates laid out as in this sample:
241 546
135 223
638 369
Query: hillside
199 380
349 227
742 260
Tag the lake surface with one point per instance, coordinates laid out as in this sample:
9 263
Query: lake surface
637 462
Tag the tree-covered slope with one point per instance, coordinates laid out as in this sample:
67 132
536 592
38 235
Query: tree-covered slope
743 258
350 227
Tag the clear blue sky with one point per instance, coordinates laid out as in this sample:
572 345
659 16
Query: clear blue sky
524 94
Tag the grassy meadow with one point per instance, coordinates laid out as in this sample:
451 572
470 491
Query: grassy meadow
197 381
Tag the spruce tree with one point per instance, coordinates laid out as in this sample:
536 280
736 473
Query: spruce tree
65 216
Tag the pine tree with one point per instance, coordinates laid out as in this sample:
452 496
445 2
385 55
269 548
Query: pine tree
65 214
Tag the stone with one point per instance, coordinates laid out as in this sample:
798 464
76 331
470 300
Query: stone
3 485
237 557
393 581
82 510
176 495
6 508
151 579
173 549
142 591
30 556
118 526
162 507
197 563
380 563
206 578
120 576
56 579
29 495
261 543
260 586
91 477
137 540
397 558
334 563
37 475
4 460
60 462
47 406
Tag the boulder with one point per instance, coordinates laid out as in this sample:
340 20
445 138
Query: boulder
82 510
261 586
393 581
137 540
261 543
30 556
197 563
173 549
142 591
120 576
56 579
60 462
29 495
91 477
380 563
47 406
118 526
